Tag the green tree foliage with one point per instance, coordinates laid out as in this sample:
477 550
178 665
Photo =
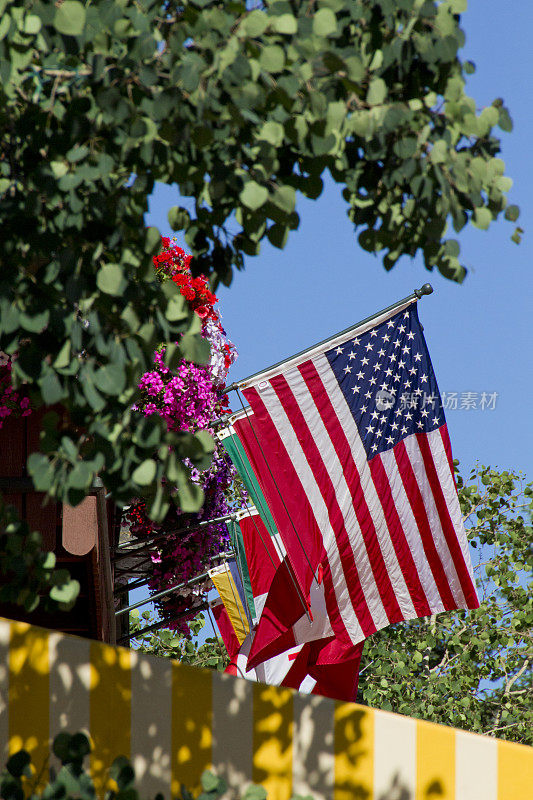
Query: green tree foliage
163 642
470 669
242 109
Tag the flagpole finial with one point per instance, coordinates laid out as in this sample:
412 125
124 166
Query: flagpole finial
427 288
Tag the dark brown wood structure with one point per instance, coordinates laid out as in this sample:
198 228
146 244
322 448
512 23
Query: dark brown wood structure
81 537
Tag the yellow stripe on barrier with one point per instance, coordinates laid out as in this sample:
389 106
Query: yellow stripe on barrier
272 740
435 761
515 771
110 711
29 688
192 725
354 752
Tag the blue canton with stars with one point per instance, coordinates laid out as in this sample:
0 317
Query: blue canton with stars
387 379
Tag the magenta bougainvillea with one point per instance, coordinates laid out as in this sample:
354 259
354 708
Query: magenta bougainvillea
13 403
189 398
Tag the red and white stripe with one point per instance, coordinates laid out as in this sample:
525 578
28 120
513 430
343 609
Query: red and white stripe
388 532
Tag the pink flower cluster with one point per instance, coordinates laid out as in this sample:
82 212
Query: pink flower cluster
186 400
12 403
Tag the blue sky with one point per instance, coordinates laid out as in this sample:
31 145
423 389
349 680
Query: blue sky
480 334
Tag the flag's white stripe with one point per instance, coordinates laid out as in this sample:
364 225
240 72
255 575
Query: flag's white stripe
259 603
410 529
476 767
417 462
276 668
342 410
447 483
279 546
313 747
307 685
394 756
320 511
151 724
343 496
233 720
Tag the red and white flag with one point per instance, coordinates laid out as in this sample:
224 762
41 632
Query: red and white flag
310 660
360 476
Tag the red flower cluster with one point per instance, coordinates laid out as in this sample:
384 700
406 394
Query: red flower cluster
196 291
172 259
174 264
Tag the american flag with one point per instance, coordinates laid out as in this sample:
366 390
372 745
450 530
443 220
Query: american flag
361 481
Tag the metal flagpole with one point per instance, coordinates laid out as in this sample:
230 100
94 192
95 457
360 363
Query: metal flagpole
427 288
165 592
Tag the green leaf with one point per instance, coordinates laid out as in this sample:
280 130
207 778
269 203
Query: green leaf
272 58
51 389
210 782
111 280
81 476
278 235
177 308
145 473
452 248
255 23
254 792
65 594
178 218
17 765
324 22
63 357
253 196
32 25
35 323
272 132
439 152
5 24
110 379
285 23
41 471
69 18
482 218
505 122
377 92
195 348
206 440
191 497
512 213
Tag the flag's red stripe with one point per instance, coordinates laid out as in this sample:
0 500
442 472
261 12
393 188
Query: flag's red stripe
323 480
261 555
448 528
401 545
416 502
300 508
353 480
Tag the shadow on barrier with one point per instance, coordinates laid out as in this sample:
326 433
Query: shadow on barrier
173 722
